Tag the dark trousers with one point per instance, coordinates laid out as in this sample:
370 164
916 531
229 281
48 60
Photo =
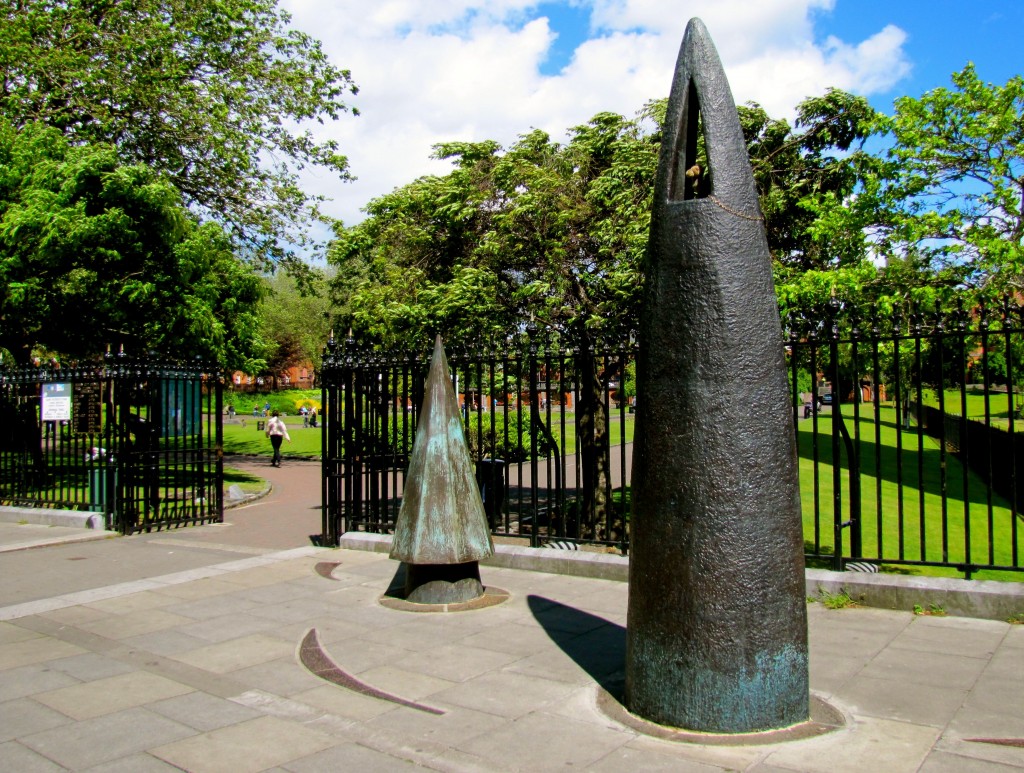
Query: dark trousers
275 441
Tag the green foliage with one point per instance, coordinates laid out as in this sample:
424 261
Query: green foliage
555 233
93 252
542 231
804 382
286 401
802 175
294 322
938 210
953 187
932 610
509 437
840 600
211 95
629 381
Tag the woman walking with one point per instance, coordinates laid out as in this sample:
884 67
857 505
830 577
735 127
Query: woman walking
277 432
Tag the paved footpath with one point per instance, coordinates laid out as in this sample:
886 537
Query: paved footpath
184 651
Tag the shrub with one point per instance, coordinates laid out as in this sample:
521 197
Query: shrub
508 438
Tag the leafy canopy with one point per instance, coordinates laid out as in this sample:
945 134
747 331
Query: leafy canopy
294 325
207 93
95 252
555 234
953 192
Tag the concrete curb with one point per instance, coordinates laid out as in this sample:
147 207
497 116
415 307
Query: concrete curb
986 599
72 519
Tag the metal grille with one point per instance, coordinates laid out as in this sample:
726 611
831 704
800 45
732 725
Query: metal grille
910 437
552 456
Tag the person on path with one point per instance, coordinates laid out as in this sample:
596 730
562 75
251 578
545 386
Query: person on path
277 432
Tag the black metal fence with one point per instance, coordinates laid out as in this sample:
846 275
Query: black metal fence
908 429
908 432
135 440
549 428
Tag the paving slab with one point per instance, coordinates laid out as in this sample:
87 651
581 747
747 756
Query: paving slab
24 716
106 696
16 756
184 655
91 742
246 747
504 678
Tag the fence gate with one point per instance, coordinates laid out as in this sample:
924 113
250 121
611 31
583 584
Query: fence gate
136 440
366 443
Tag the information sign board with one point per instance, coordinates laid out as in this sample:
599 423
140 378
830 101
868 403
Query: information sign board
87 409
56 404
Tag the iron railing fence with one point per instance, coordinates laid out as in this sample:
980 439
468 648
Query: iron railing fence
552 455
134 439
908 432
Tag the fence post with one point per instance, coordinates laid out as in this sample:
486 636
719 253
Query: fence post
837 418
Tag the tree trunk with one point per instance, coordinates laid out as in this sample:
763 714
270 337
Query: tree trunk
592 439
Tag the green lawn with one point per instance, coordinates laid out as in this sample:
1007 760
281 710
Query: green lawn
906 458
246 481
998 407
616 428
246 439
973 528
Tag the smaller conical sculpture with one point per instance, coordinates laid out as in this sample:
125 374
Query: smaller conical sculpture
441 532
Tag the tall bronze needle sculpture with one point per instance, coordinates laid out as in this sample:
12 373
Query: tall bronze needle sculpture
441 532
717 625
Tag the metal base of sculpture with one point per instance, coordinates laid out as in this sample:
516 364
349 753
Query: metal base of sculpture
443 583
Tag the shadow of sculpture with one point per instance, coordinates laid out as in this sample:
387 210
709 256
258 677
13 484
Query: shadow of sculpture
595 644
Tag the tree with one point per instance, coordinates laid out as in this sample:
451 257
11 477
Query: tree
205 93
549 232
939 212
554 235
295 325
544 233
94 252
953 192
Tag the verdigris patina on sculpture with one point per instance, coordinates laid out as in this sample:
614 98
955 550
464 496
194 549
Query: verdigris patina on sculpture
717 626
441 532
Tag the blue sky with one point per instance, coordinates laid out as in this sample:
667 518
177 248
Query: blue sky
942 36
440 70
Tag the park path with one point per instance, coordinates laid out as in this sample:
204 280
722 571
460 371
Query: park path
290 515
287 517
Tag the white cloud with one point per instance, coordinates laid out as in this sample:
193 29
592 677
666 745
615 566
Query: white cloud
472 70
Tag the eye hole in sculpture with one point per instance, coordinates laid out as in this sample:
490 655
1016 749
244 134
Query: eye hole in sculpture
692 177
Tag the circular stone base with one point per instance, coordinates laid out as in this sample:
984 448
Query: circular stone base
825 718
491 597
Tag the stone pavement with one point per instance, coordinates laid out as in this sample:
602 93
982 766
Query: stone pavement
183 651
